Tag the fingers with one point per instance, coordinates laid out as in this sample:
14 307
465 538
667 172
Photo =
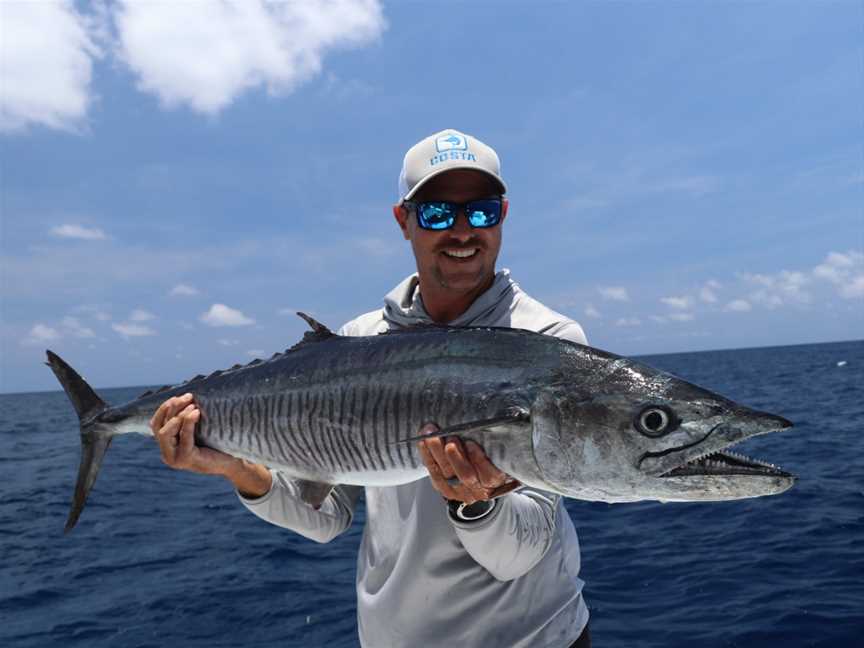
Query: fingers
488 475
462 466
457 471
168 410
186 442
169 435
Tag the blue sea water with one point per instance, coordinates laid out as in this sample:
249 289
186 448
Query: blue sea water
161 557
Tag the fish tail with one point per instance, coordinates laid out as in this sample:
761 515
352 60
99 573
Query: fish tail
94 440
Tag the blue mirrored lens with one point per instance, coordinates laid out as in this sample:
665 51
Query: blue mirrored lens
436 215
483 213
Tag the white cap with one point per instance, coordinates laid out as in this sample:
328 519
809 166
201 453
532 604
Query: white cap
445 151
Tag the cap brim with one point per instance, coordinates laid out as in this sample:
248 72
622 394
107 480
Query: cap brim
435 174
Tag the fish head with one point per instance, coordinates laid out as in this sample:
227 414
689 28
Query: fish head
643 434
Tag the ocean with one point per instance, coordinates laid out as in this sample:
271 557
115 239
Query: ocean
162 557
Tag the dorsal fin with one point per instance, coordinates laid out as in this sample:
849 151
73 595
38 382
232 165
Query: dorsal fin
317 327
319 332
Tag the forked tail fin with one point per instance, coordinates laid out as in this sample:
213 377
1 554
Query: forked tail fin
94 445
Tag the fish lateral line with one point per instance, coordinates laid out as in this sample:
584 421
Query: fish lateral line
510 415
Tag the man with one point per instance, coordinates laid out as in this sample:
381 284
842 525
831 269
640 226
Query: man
442 561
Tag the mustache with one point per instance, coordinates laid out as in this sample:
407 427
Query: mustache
458 245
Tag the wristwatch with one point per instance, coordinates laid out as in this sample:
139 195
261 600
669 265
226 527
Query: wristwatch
462 512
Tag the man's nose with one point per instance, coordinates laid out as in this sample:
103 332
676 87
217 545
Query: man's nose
462 229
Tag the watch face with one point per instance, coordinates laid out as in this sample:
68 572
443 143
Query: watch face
470 512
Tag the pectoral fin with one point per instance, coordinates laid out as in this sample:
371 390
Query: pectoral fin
508 416
313 493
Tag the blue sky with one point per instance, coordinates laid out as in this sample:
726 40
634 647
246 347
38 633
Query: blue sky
177 179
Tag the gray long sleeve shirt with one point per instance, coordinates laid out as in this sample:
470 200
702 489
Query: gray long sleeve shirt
509 579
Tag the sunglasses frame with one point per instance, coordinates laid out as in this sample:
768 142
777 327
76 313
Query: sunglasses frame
456 207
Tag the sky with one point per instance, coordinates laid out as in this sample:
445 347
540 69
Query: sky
177 179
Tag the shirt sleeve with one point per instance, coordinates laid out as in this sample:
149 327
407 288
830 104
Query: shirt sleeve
514 536
282 506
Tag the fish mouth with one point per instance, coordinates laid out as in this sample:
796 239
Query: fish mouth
710 455
726 464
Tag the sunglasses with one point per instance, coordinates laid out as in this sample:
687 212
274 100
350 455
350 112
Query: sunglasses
441 215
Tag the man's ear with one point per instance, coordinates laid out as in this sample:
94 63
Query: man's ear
505 204
400 213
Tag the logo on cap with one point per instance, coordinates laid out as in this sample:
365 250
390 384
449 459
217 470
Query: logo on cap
451 142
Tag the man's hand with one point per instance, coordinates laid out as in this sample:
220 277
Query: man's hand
173 426
446 459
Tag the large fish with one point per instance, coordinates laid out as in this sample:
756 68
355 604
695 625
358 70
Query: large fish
554 414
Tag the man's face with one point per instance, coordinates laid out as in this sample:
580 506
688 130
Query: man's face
433 249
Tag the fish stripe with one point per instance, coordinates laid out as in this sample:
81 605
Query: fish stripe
231 422
329 431
280 425
371 449
290 429
336 426
306 430
398 432
378 431
267 430
304 418
380 420
293 425
327 458
413 407
357 441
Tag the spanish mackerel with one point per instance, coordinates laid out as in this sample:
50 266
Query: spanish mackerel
551 413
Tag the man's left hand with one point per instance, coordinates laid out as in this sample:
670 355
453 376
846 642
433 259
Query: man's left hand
446 459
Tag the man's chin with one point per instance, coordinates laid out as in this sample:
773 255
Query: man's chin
464 281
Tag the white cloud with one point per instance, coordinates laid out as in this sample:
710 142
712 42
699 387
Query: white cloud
853 289
708 292
78 232
222 315
255 353
779 289
680 303
41 333
739 306
46 63
74 327
628 321
205 54
228 343
183 290
96 312
592 312
141 315
681 317
614 293
130 329
845 271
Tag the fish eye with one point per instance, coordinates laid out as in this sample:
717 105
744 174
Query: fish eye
655 421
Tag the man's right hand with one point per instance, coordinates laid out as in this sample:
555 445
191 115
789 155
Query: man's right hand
173 426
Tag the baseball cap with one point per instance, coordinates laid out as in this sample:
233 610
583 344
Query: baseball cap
444 151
